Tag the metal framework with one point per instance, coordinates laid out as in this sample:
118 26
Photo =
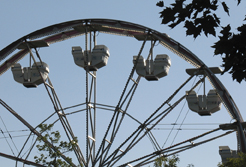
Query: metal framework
105 154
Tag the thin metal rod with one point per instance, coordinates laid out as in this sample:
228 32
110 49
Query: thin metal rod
24 144
55 102
32 129
168 149
204 92
115 115
21 160
73 106
123 113
95 100
91 106
133 89
66 125
94 39
91 89
146 123
136 139
184 148
154 141
87 96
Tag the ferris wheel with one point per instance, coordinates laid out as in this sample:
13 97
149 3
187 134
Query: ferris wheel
107 102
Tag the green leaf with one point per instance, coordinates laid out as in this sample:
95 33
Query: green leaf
50 156
238 2
173 24
226 32
160 4
168 15
242 29
192 29
216 19
226 9
214 5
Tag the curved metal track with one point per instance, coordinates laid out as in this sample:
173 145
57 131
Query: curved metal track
63 31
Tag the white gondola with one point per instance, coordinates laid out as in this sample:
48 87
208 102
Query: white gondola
30 76
140 67
98 58
153 70
162 65
78 56
202 104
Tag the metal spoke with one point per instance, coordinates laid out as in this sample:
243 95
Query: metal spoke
104 151
136 137
114 124
21 160
145 159
58 108
33 130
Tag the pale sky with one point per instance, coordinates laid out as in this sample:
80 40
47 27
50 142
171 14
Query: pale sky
19 18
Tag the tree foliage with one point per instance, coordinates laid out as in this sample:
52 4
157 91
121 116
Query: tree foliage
172 161
167 161
235 162
200 17
48 156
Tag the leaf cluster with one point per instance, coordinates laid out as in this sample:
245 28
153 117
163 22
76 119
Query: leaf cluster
163 161
172 161
233 47
48 156
200 16
235 162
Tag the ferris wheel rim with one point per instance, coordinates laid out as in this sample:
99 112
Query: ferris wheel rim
113 27
168 42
